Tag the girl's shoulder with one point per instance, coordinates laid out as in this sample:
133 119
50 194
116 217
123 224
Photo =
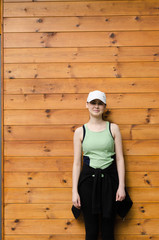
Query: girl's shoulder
79 132
114 128
114 125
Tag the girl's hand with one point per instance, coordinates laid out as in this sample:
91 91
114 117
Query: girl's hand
76 200
120 194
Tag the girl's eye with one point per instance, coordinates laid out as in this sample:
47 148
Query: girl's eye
93 103
100 103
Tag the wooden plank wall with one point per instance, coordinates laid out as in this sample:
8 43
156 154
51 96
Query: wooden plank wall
54 53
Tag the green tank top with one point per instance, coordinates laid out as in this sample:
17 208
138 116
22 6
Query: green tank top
98 147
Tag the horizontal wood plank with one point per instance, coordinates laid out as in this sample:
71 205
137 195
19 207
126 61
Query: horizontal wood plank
38 148
54 132
78 101
66 132
142 210
80 85
81 39
64 179
102 54
22 164
79 116
65 148
35 164
69 226
110 23
68 70
77 237
100 8
79 54
64 195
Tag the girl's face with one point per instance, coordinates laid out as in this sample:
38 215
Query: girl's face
96 107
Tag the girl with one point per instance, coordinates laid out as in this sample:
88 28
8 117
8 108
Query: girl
102 179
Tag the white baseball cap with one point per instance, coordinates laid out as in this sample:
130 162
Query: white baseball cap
96 95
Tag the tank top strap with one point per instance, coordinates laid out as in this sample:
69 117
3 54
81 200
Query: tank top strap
84 132
110 129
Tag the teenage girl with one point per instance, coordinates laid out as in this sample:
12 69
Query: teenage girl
94 189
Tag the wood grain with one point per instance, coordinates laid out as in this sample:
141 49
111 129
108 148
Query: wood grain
53 54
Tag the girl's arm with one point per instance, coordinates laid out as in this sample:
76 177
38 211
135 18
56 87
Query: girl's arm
120 195
76 167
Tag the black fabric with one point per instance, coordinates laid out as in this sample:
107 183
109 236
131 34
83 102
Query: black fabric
86 160
122 207
104 190
94 222
84 132
76 211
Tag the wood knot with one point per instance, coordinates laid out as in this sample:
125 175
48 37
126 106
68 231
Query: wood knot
147 120
68 223
47 150
148 181
40 20
73 129
112 35
51 34
16 220
137 18
47 110
118 75
51 236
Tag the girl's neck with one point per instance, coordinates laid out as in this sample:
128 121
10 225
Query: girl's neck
94 121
